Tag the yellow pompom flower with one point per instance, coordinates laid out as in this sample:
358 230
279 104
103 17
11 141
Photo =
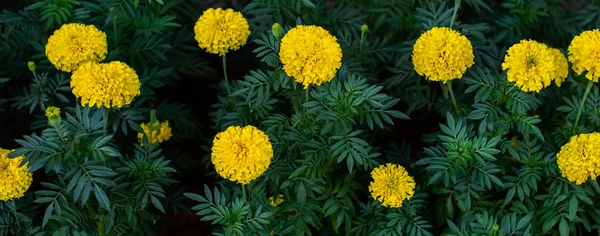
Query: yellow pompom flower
310 55
561 66
442 54
158 133
241 154
74 44
583 54
52 112
219 31
530 65
111 84
579 159
14 179
391 185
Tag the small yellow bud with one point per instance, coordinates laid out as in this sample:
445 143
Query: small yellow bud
53 114
364 29
276 28
31 66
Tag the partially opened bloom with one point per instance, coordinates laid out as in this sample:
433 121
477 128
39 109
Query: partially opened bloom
52 112
111 84
241 154
561 66
14 178
74 44
442 54
530 64
275 201
391 185
219 31
310 55
583 54
158 132
579 159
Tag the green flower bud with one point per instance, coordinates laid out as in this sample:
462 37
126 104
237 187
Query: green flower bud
276 28
31 66
364 29
154 124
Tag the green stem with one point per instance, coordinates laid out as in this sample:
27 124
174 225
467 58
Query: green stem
105 117
452 96
244 193
225 74
587 91
456 5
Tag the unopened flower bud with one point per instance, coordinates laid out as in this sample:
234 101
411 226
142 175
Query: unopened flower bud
276 28
31 66
364 29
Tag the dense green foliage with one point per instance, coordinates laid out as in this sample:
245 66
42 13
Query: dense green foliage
486 168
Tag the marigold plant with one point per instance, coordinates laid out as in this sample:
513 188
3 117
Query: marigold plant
299 117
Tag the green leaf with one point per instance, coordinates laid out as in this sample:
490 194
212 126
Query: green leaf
301 194
102 198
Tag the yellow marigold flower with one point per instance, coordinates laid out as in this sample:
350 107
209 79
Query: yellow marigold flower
310 55
241 154
583 54
160 133
442 54
219 31
276 201
530 65
52 112
579 159
74 44
111 84
561 66
14 179
391 185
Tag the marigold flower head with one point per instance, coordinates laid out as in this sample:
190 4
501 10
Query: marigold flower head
158 133
111 84
579 159
583 54
52 112
219 31
561 66
14 179
241 154
74 44
391 185
310 55
442 54
530 64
